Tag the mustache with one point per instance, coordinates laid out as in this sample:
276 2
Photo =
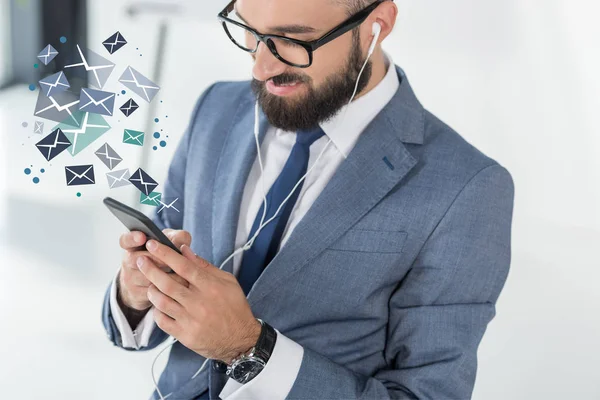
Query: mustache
289 78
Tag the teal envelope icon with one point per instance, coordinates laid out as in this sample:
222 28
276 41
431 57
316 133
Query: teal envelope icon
91 127
133 137
153 199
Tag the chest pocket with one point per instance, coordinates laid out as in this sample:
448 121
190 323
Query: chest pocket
370 241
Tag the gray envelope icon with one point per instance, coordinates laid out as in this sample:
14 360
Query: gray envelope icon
98 67
60 107
108 156
117 179
38 129
54 83
139 84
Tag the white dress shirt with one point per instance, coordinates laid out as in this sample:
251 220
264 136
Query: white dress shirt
277 378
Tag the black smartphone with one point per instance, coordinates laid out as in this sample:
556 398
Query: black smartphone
137 221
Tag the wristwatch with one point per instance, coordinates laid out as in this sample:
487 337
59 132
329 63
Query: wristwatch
248 365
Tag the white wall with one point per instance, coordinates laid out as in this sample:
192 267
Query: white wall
518 79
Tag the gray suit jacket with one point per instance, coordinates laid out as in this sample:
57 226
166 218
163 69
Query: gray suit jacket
390 279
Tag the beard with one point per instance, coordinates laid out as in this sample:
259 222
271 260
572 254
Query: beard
319 104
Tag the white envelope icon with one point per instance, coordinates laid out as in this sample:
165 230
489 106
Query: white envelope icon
117 179
98 67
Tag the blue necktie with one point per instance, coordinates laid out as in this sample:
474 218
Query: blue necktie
267 242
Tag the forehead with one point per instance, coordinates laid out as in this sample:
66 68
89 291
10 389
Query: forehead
263 15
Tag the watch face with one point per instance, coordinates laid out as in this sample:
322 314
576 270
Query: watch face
247 369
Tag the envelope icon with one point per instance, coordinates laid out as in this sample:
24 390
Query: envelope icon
139 84
133 137
108 156
117 179
168 205
153 199
80 175
98 67
47 55
53 144
114 43
91 127
38 128
97 102
54 83
143 182
129 107
60 107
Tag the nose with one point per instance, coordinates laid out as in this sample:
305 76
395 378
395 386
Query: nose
266 65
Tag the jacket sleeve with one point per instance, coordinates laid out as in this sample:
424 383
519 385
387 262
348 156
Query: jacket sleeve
173 188
440 310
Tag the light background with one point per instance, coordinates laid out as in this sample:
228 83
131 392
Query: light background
518 79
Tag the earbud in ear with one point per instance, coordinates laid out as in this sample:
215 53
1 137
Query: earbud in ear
376 28
376 33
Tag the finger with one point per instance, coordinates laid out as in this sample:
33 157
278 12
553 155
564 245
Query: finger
188 253
179 238
165 304
162 280
166 323
132 240
180 264
130 259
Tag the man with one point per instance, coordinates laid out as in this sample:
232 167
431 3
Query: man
378 275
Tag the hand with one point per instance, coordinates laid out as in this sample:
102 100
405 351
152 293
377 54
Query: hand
211 316
133 285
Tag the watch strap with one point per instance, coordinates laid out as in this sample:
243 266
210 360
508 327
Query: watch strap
266 341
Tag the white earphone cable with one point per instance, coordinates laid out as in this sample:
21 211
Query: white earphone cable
250 242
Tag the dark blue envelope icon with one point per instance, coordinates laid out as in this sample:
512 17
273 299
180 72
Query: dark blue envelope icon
114 43
143 182
80 175
129 107
53 144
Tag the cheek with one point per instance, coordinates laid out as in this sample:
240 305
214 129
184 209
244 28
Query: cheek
330 59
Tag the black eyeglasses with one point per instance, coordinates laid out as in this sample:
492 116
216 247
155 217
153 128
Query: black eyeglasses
294 52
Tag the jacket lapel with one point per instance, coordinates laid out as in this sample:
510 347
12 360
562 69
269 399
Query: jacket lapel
235 163
377 164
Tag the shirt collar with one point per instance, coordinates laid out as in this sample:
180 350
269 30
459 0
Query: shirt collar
345 133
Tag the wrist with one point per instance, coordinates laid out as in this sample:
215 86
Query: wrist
247 343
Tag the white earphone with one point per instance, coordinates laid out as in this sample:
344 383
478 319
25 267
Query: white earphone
376 32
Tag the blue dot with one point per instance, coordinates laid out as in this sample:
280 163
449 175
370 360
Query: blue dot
27 171
156 135
155 148
140 55
78 194
35 65
32 87
42 170
123 92
63 39
166 116
161 101
137 48
36 180
163 144
156 120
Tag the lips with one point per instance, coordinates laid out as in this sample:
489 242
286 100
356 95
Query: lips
285 89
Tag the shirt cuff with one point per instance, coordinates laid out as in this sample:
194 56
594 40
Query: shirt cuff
276 379
137 338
